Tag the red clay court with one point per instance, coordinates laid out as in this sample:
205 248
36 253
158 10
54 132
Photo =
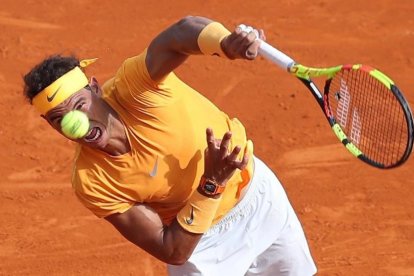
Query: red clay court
359 220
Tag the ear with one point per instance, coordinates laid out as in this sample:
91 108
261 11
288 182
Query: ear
93 83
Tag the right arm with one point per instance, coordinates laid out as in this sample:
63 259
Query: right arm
174 45
173 244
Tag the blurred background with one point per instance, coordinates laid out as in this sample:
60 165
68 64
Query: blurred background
358 220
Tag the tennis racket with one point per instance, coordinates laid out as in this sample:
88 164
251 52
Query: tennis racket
364 108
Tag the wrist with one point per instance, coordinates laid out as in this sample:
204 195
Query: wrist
198 213
201 192
210 188
210 38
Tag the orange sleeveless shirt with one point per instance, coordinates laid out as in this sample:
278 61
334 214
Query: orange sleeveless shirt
165 123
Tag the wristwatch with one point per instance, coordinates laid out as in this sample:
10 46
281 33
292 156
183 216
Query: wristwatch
210 187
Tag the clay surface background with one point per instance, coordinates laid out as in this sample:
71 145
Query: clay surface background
358 220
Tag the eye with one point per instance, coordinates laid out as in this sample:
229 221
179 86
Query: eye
79 106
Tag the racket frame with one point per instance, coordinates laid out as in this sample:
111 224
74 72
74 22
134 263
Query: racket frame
304 74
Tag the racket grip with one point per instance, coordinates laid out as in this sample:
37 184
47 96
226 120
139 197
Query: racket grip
274 55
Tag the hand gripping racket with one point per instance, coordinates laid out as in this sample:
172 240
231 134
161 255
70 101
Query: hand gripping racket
365 109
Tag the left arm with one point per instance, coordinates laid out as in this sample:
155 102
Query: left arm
174 45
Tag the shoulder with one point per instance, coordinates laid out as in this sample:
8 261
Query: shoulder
134 71
84 172
91 185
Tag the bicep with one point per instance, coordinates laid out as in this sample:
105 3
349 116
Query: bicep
173 46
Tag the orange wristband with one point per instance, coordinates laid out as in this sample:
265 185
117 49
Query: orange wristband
210 38
198 214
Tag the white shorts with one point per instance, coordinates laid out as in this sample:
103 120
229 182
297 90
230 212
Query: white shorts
261 235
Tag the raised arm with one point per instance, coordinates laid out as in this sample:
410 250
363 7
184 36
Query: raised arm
173 46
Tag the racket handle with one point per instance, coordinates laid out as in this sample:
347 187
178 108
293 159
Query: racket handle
274 55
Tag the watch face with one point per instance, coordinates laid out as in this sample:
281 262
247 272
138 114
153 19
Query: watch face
210 187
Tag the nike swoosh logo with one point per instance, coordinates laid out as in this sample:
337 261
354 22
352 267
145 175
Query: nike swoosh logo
189 220
49 99
153 173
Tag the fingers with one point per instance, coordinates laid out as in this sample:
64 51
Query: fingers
221 148
233 161
251 40
211 141
253 50
235 44
262 35
220 162
224 145
246 155
232 157
243 42
244 161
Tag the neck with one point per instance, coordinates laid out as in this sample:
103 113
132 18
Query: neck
118 143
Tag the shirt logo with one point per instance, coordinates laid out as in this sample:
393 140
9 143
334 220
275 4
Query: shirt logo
189 220
50 99
153 173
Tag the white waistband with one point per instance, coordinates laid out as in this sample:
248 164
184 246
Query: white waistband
242 209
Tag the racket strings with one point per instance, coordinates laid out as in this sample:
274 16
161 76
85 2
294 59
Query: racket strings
370 115
389 131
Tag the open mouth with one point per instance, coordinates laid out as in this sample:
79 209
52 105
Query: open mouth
93 135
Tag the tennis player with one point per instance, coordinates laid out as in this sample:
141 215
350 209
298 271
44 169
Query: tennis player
170 171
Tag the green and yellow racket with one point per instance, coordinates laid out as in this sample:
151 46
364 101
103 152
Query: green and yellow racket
365 109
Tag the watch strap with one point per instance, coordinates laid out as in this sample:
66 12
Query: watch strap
210 186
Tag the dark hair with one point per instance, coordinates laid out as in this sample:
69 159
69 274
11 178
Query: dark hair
46 72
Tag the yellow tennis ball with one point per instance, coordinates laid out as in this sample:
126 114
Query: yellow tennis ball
75 124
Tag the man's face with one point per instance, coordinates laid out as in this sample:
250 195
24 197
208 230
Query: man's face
89 101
